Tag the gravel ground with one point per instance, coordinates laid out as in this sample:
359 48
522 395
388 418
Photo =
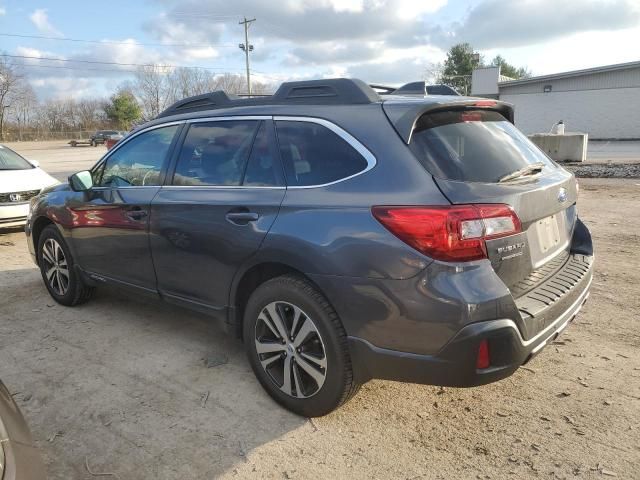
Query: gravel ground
599 170
123 384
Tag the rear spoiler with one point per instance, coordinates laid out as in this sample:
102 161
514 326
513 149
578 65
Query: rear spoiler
404 113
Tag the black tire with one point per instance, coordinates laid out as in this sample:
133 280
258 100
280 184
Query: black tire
288 293
76 291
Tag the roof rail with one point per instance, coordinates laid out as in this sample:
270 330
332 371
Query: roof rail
206 101
332 91
383 89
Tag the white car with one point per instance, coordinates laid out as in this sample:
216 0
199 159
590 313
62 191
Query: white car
20 181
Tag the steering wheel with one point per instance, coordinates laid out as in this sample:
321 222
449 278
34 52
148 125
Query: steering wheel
146 175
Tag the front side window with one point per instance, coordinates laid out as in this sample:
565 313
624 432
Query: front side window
314 155
138 162
216 153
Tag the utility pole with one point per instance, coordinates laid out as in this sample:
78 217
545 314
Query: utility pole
246 47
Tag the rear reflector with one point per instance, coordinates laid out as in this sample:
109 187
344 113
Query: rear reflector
483 361
455 233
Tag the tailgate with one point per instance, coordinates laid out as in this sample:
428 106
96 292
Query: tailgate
477 156
546 208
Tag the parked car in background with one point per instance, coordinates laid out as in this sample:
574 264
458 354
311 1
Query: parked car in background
20 181
101 137
113 139
19 458
343 236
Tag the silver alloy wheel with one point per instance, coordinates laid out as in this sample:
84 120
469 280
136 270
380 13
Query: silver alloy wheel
290 349
55 266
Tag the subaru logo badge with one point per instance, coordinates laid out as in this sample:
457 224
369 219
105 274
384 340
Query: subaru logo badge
15 197
562 195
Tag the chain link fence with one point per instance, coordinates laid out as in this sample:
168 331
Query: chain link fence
43 135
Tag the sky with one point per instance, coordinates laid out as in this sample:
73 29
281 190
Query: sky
380 41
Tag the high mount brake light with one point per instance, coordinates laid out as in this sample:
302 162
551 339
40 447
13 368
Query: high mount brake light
485 103
455 233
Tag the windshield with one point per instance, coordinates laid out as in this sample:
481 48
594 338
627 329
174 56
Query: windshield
10 160
472 146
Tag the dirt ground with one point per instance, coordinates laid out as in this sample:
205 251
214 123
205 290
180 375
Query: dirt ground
124 385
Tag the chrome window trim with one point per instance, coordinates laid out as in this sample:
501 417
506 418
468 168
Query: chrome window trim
227 118
222 187
346 136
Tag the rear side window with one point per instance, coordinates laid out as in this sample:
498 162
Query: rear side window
472 146
314 155
216 153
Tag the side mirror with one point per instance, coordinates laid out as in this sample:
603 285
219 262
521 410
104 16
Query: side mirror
35 163
81 181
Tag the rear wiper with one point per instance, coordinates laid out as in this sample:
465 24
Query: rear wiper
528 170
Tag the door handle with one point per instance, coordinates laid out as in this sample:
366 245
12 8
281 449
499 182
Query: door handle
242 218
136 214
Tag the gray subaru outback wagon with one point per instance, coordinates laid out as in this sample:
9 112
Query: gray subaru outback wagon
343 236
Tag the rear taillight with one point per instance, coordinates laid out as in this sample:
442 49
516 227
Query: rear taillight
455 233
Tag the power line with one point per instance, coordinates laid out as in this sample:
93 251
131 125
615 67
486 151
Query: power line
88 69
207 15
113 42
108 63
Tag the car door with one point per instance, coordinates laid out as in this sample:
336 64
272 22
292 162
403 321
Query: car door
216 209
111 226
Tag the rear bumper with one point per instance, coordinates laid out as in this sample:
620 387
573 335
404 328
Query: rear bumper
455 364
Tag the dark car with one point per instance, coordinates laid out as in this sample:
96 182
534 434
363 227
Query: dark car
19 458
101 137
343 237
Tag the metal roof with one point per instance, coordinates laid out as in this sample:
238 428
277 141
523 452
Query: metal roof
574 73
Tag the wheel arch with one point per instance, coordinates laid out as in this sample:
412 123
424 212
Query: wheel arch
251 278
38 226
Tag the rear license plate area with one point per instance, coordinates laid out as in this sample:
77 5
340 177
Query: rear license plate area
548 232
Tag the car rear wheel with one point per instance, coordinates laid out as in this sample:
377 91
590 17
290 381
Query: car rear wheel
297 346
56 266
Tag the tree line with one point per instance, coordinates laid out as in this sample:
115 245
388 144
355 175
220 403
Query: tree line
150 90
462 60
153 88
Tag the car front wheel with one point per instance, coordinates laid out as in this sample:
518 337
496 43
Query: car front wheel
56 266
297 346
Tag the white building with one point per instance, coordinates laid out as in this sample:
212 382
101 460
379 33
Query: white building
603 101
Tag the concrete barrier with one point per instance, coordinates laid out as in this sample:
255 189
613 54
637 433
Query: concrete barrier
570 147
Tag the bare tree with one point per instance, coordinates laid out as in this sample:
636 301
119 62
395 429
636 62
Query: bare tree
154 89
89 113
24 104
191 81
10 81
230 83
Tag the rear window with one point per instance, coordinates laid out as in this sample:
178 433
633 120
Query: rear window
472 146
